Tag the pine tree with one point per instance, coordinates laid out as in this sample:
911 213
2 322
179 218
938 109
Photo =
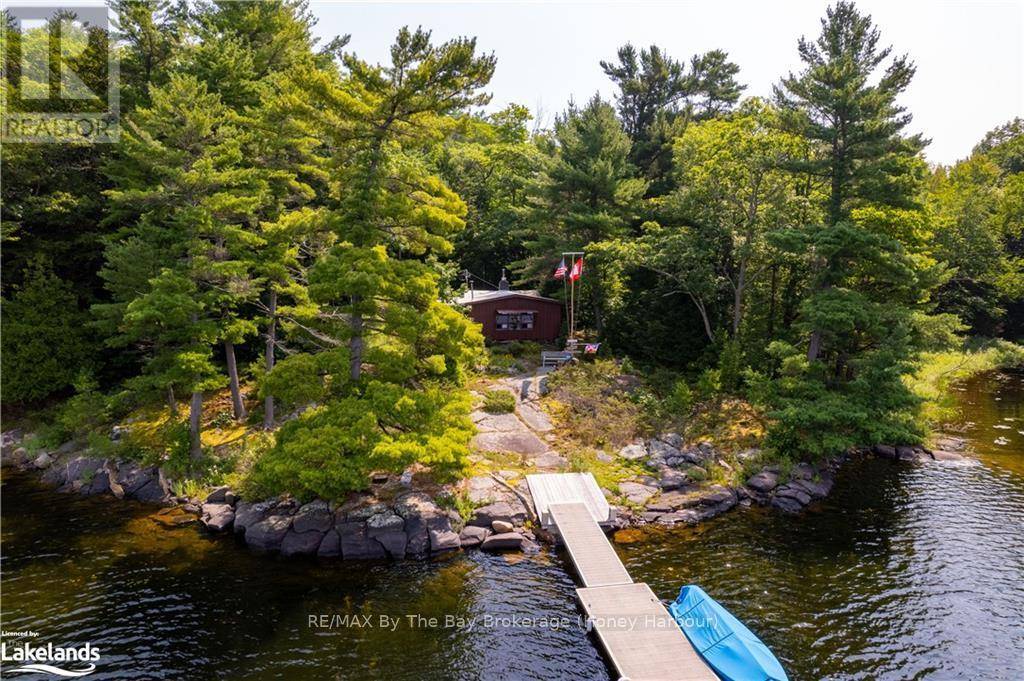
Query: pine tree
178 269
868 262
658 95
588 195
389 358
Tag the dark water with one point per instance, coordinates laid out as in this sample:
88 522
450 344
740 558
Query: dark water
904 573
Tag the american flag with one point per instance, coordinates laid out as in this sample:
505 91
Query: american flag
561 270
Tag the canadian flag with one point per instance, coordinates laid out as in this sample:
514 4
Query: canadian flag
577 270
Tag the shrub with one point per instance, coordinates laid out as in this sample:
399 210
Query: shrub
499 402
330 450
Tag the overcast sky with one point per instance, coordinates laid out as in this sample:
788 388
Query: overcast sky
969 55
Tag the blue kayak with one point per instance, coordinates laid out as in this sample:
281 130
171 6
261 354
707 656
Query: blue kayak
729 648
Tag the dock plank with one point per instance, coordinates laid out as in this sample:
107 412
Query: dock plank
639 635
562 488
590 551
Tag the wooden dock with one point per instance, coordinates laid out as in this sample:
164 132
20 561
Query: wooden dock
592 555
564 488
638 634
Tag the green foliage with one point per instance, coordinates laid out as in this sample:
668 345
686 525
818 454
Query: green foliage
45 338
680 400
499 402
936 372
330 450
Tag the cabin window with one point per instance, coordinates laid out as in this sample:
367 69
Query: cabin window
514 320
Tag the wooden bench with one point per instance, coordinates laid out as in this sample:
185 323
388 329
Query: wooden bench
554 358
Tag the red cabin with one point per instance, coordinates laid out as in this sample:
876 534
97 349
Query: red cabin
514 315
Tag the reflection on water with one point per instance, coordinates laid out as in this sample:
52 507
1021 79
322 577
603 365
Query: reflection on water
177 604
903 573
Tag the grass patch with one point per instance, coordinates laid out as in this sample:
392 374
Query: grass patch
937 371
607 473
499 402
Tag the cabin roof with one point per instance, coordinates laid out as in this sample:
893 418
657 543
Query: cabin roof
490 296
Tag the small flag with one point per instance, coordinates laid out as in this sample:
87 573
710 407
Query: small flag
591 348
577 270
561 270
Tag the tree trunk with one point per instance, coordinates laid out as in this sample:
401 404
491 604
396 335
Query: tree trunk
172 402
195 416
355 343
704 317
814 346
737 303
771 303
236 394
268 402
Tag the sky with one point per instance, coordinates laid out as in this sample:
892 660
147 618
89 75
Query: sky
969 55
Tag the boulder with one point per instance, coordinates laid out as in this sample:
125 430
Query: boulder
792 491
517 442
42 461
503 542
763 482
146 484
364 512
503 511
388 529
443 540
661 450
315 516
330 545
718 495
217 517
248 513
786 504
636 493
301 543
266 535
394 542
904 453
946 455
502 526
543 388
218 495
82 468
885 451
56 475
672 439
672 479
472 536
356 544
803 471
686 516
816 488
633 452
104 481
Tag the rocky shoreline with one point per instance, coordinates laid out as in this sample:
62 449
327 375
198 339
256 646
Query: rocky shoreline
393 521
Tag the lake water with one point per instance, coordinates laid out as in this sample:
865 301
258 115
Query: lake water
904 572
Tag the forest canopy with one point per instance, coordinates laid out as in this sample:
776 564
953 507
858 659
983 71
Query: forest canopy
286 222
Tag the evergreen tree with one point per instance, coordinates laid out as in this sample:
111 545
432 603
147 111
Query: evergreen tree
658 95
45 337
869 268
178 270
392 357
587 195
